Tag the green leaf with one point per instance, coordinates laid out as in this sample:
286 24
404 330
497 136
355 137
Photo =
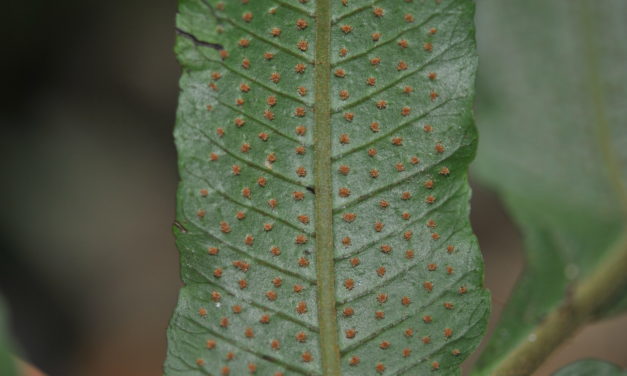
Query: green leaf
7 363
324 232
589 367
552 89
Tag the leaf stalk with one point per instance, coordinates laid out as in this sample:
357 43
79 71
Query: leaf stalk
600 289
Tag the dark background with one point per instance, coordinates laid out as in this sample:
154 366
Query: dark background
87 261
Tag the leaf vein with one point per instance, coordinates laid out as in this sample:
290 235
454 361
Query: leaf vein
396 81
401 320
255 303
260 122
258 36
260 83
243 160
247 349
386 282
404 179
253 257
354 11
250 207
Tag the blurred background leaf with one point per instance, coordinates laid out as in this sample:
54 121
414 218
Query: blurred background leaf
591 367
7 364
551 115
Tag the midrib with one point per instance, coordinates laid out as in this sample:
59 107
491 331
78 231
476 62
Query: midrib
325 271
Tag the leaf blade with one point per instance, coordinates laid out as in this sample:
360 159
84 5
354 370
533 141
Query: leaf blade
293 141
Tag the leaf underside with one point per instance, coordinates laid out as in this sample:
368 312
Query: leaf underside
552 89
258 133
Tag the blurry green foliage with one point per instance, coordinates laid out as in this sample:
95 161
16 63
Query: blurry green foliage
551 112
